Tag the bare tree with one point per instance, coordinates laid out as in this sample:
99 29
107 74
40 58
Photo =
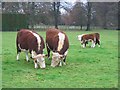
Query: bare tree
56 6
89 6
32 15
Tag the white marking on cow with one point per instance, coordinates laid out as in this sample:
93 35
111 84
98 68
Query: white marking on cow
24 50
27 58
66 53
94 39
60 63
93 44
48 46
80 37
38 39
64 63
83 45
61 41
36 66
55 54
89 40
33 54
18 56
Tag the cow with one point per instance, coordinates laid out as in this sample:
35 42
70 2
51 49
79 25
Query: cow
30 41
57 42
93 37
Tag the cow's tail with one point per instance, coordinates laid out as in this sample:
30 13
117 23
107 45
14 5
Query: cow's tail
17 43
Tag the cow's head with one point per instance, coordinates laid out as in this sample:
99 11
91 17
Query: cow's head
56 58
40 59
80 38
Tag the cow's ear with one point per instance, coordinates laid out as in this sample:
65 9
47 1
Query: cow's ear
61 56
44 55
37 56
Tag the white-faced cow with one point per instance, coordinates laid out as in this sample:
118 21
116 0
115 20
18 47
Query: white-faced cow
85 38
57 42
30 41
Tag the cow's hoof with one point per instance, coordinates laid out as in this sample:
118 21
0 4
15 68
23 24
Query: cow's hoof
28 61
64 63
52 66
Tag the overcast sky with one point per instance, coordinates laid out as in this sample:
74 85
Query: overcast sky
72 2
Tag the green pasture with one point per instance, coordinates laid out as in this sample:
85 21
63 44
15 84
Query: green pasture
86 68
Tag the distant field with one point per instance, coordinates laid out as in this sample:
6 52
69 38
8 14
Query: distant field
86 68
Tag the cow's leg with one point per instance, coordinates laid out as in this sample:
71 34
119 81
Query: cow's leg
30 54
64 60
35 62
93 44
18 53
83 45
48 51
98 43
27 58
60 63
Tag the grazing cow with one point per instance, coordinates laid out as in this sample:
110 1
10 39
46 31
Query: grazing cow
94 38
57 42
30 41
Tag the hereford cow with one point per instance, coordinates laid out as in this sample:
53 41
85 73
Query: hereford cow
94 38
57 42
30 41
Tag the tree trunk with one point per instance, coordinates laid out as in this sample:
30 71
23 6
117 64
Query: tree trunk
3 4
32 15
56 13
89 16
81 27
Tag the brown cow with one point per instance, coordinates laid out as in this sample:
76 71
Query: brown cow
57 42
30 41
94 38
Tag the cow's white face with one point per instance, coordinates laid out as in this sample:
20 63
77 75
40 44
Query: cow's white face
56 58
40 59
80 38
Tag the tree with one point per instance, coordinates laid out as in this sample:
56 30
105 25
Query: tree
105 14
78 14
89 6
56 6
32 15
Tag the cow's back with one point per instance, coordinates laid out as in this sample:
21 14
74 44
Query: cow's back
26 40
52 40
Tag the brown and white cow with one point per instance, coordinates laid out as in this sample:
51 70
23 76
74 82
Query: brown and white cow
30 41
93 37
57 42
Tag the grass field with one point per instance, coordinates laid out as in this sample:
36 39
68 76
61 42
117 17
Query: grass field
86 68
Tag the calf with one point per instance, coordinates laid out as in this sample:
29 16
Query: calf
57 42
94 38
30 41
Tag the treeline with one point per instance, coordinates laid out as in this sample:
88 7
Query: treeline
95 14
